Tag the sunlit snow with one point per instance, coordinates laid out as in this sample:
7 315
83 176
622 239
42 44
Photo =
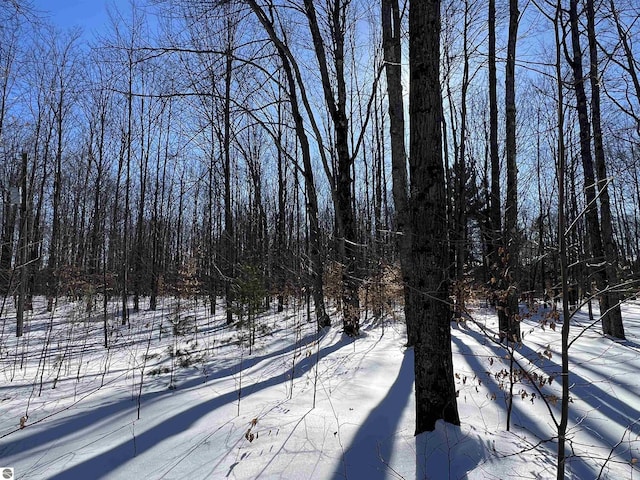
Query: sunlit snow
178 396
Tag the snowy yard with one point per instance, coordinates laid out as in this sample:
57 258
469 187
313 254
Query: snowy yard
178 396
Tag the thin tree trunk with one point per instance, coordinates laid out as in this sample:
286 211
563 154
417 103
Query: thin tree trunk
591 212
392 42
281 215
22 250
613 314
322 319
127 192
631 62
508 306
229 235
317 269
345 215
52 270
7 241
564 269
460 240
494 207
140 251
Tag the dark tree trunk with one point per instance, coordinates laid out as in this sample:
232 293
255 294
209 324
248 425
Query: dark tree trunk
317 269
6 241
337 106
142 256
127 194
229 235
612 320
54 246
97 227
591 212
391 36
630 64
509 323
460 202
495 217
434 384
322 318
22 249
280 267
564 268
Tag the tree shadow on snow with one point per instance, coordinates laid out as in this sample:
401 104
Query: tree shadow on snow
105 462
583 389
370 453
57 428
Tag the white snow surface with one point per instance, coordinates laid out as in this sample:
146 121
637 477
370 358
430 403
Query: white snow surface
179 395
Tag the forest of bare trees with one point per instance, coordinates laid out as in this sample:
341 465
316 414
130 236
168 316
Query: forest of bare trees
318 148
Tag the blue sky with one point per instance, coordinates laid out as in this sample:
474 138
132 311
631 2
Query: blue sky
90 15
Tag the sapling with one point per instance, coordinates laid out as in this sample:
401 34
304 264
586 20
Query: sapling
297 351
317 366
65 355
511 352
45 350
87 332
240 376
41 367
145 357
175 322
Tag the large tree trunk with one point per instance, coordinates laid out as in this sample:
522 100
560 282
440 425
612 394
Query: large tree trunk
391 37
434 384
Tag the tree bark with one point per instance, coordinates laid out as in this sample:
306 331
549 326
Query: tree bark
591 212
494 208
337 106
228 235
391 38
434 384
317 268
612 316
509 322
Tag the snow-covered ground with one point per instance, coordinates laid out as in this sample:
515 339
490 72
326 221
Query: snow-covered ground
180 395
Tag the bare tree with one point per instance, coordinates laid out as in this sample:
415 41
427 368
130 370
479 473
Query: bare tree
293 84
609 308
63 60
335 96
495 217
392 43
612 321
508 305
